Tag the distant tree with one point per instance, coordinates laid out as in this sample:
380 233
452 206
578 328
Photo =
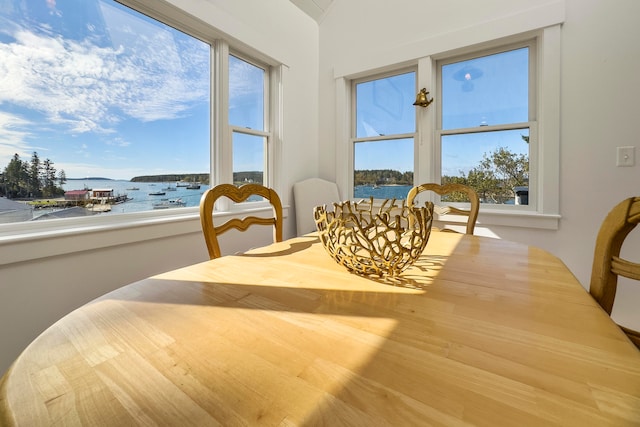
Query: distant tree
16 178
20 180
382 177
495 177
34 188
62 178
48 179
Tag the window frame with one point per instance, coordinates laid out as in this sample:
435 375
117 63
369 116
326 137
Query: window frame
531 124
220 136
223 169
266 119
546 181
354 139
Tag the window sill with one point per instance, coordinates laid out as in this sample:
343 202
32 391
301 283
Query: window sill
503 218
27 241
517 216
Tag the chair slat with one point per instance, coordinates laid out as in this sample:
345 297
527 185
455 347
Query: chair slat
625 268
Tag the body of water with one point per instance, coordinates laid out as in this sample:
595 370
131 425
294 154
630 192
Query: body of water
141 200
398 192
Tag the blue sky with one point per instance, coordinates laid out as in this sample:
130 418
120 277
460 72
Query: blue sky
101 92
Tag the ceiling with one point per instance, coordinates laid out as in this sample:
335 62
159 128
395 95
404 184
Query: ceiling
313 8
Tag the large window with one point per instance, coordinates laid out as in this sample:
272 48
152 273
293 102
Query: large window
384 141
105 111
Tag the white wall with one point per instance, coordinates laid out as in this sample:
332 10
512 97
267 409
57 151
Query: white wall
43 277
599 102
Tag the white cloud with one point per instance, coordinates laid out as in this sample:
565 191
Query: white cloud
119 142
13 136
243 78
84 87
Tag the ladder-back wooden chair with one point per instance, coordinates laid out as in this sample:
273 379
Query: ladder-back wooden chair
440 209
607 264
237 194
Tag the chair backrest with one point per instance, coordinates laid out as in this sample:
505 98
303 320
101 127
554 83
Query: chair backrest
307 195
237 194
607 264
444 189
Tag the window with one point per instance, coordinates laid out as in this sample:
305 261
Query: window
106 111
247 95
384 140
487 112
494 123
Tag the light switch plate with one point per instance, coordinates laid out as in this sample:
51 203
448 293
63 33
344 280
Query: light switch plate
625 156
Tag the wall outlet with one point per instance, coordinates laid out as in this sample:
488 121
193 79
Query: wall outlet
626 156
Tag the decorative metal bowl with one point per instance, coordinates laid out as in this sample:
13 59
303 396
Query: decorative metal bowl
374 243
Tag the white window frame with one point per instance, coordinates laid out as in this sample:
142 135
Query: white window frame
355 139
183 220
545 156
531 124
222 152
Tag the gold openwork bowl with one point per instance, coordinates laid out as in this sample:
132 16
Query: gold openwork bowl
374 241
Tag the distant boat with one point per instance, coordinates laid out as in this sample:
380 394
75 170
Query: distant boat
157 193
169 203
170 188
182 184
133 188
193 186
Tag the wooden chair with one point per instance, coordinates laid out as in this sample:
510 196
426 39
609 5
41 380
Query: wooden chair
307 195
472 213
237 194
607 264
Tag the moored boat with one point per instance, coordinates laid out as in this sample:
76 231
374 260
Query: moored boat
169 203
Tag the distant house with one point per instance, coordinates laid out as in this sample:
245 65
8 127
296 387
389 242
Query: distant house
11 211
522 195
103 196
102 193
76 195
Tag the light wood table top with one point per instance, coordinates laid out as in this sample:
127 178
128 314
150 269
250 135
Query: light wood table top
479 332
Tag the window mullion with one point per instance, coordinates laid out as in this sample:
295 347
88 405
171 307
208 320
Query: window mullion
426 167
221 163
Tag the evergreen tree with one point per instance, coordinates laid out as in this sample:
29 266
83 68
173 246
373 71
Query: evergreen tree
16 178
31 179
48 179
34 176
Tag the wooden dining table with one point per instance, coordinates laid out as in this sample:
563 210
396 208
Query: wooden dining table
478 332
